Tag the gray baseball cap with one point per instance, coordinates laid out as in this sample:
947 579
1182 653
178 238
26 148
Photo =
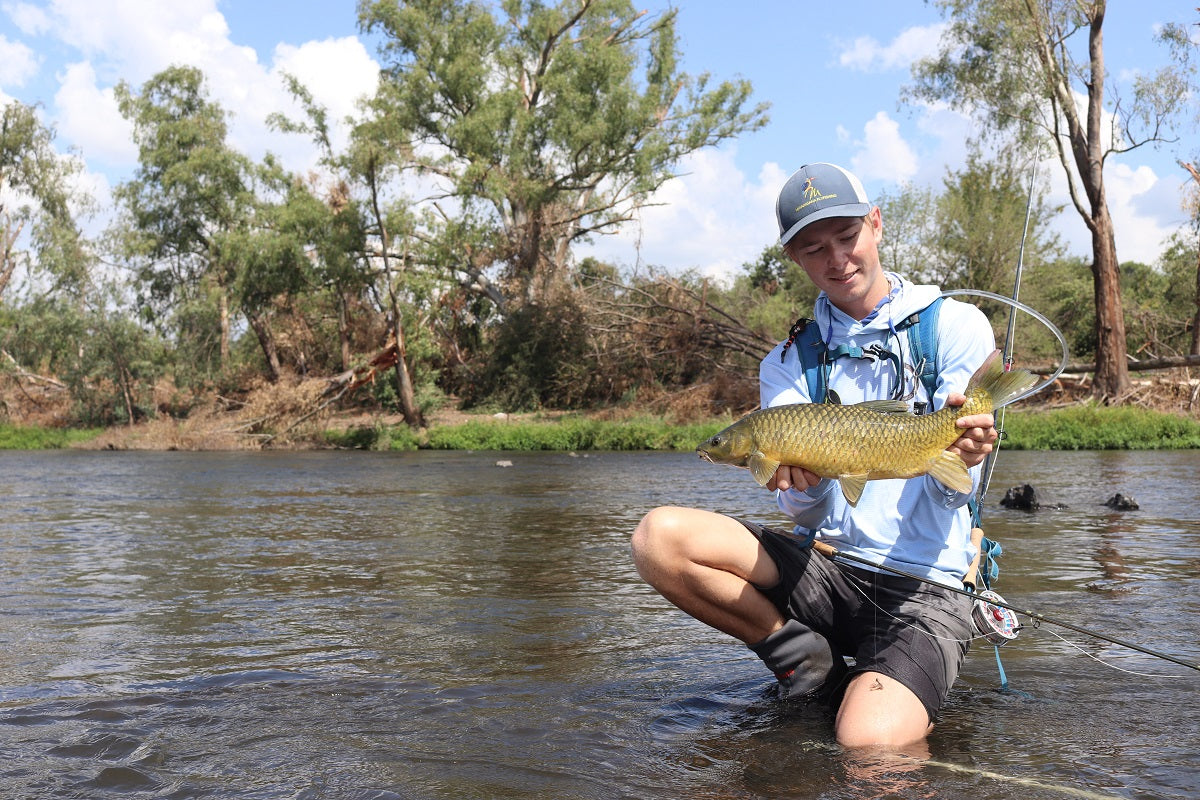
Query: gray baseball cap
815 192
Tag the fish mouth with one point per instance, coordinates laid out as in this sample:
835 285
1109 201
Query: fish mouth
704 456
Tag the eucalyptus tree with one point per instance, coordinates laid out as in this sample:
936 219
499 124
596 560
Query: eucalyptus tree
969 233
1036 69
368 242
189 192
38 201
541 124
981 223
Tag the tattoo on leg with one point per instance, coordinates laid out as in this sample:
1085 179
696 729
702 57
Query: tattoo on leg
876 686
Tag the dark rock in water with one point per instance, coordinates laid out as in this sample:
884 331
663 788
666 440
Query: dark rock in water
1121 503
1023 497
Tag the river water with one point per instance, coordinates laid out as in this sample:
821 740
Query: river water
469 625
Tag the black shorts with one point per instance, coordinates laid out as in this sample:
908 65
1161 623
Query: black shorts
912 631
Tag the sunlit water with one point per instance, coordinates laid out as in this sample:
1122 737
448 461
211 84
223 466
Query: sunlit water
371 625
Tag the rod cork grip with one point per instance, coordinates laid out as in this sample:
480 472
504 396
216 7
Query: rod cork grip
824 549
972 577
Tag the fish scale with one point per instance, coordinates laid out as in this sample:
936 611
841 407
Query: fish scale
874 440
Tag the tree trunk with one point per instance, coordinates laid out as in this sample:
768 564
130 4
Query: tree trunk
1196 317
344 328
1112 371
1195 348
266 341
404 384
224 311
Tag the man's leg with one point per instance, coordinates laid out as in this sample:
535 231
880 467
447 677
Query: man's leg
880 711
709 565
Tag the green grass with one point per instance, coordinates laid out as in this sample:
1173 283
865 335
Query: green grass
1086 427
1093 427
567 434
13 437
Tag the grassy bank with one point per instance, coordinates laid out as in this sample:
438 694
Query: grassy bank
1084 427
13 437
570 433
1079 427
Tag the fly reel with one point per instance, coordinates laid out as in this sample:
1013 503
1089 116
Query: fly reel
996 624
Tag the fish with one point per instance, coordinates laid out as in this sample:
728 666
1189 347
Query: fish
873 440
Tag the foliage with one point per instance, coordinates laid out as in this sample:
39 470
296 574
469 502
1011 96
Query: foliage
1095 427
38 230
439 239
1037 72
545 123
538 358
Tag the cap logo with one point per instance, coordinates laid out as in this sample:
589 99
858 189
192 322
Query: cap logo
812 194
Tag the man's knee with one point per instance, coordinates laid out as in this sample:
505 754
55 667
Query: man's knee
657 539
878 711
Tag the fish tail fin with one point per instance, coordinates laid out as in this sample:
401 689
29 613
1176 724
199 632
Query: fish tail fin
1002 386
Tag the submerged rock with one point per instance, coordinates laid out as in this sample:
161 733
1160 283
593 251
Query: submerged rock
1121 503
1025 498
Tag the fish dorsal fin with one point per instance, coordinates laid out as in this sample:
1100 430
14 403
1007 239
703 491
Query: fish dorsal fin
885 406
832 398
852 486
762 467
951 471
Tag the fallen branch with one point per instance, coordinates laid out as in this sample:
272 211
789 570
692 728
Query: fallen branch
1169 362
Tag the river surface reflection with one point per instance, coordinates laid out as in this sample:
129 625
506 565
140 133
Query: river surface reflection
437 625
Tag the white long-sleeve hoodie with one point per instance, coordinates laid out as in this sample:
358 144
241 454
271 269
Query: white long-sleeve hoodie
917 525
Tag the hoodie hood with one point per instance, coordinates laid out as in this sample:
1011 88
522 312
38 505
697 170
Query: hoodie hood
905 299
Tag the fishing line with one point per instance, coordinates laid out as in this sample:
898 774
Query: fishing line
983 636
1037 618
908 624
1039 316
1069 791
1109 664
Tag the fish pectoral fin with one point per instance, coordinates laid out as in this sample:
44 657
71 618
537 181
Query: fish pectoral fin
886 406
950 470
762 467
852 487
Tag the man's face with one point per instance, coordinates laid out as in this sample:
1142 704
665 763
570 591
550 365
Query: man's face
841 256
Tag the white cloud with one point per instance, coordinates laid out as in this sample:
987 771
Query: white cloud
711 219
18 63
883 153
89 120
29 19
132 40
866 54
338 72
1144 209
1130 191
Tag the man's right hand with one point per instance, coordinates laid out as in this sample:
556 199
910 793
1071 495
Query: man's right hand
787 477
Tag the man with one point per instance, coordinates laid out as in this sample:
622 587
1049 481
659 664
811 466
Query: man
800 612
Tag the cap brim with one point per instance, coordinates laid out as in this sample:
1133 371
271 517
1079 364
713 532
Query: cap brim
846 210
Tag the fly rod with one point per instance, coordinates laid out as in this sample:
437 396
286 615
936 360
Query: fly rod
833 553
989 462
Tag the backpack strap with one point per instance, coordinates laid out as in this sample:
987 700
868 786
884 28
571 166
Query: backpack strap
922 345
805 335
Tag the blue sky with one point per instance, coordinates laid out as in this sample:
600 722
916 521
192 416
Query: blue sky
832 73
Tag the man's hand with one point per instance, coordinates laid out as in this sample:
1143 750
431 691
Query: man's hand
978 436
793 478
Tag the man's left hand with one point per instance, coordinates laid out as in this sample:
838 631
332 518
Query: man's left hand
978 435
